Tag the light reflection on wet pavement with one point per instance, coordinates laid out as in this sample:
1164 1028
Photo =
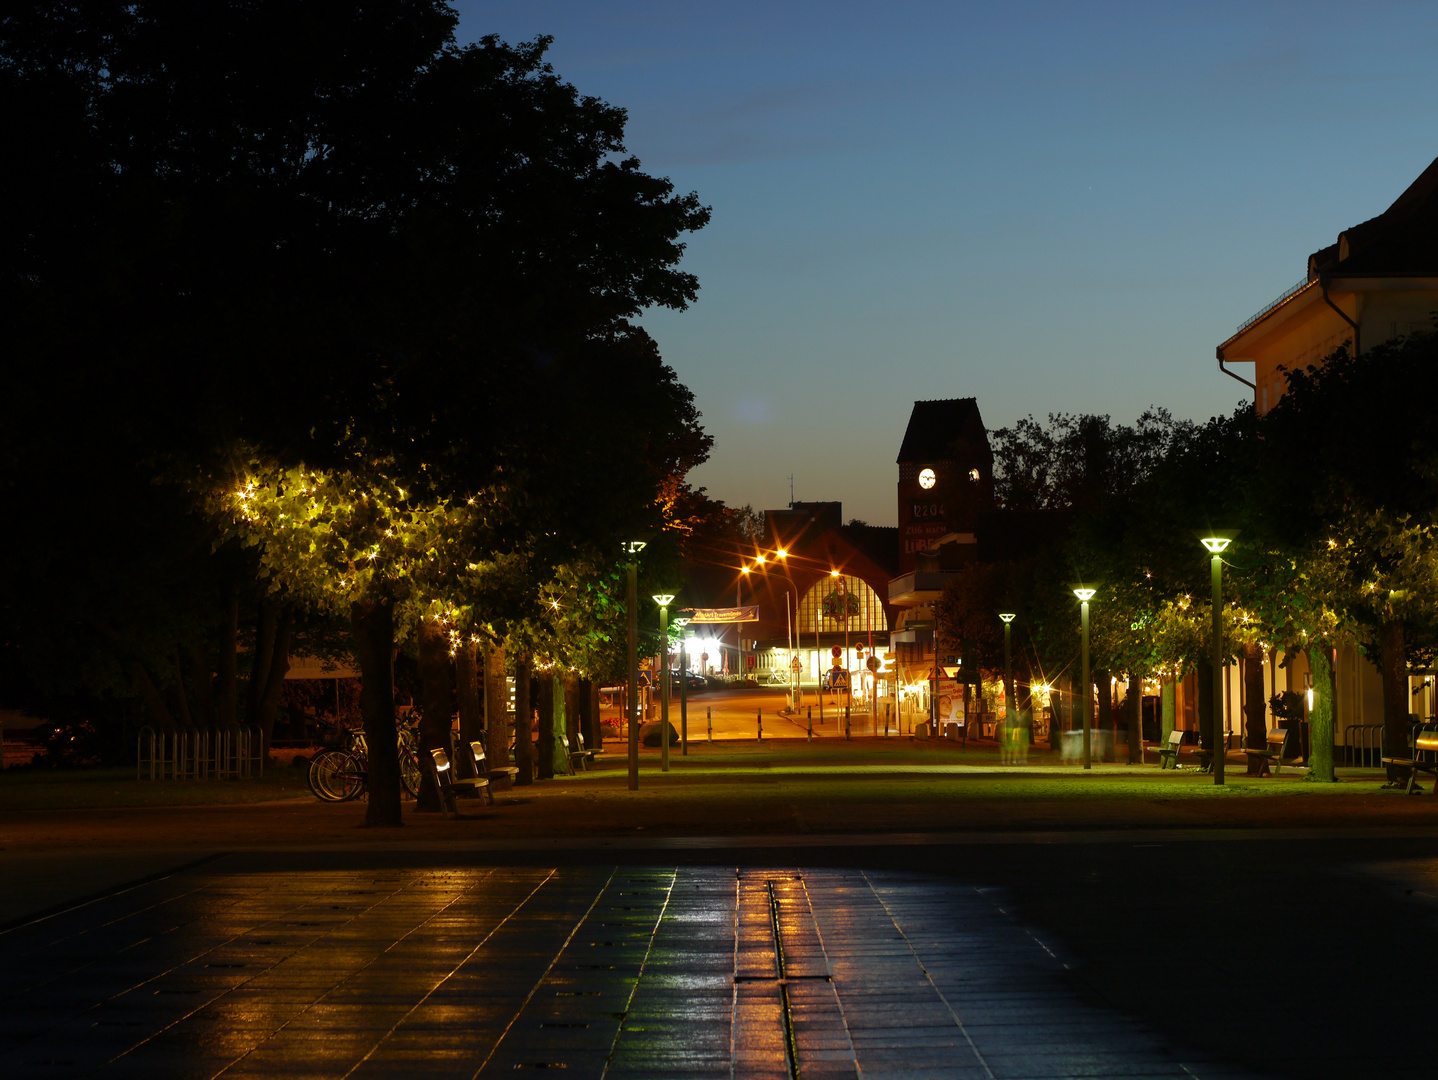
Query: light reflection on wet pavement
600 971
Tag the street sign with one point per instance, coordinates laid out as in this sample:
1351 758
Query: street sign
796 664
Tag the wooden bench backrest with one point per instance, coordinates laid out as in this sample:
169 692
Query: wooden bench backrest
1277 737
1426 740
1175 737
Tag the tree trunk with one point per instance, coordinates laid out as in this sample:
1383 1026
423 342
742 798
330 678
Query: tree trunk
1395 696
437 707
201 684
496 708
587 703
466 677
1255 710
1168 709
1205 708
275 671
153 699
567 697
229 647
1057 698
1105 720
547 734
1322 716
372 625
523 745
1135 720
182 701
266 624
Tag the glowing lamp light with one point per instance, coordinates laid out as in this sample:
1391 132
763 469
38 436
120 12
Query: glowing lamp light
1216 541
680 622
1007 616
663 599
1310 697
781 553
1084 594
833 573
743 569
634 547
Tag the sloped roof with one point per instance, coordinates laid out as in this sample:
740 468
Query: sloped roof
947 430
879 543
801 523
1400 242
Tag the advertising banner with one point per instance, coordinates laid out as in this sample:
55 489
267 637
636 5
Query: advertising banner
723 615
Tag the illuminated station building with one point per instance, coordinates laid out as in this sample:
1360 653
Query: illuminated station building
824 592
866 590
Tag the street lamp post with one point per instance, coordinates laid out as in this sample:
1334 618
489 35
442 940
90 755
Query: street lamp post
1215 542
631 599
1086 594
797 643
664 600
681 623
1010 691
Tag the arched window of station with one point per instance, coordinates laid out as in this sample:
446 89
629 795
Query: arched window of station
823 607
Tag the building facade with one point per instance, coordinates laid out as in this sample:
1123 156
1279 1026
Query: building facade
1376 282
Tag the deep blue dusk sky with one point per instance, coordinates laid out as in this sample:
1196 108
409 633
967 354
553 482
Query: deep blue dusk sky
1047 206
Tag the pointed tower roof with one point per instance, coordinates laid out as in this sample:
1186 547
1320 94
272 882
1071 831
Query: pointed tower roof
946 430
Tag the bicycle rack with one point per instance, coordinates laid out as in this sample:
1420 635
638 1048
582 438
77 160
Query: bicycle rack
1363 745
235 752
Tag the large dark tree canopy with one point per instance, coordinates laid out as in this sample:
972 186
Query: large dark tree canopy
320 232
295 220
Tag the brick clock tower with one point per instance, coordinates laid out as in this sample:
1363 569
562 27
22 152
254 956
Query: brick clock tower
945 474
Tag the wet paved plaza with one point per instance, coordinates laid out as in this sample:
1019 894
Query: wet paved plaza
628 971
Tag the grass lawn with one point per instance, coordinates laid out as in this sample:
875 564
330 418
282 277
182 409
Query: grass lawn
101 788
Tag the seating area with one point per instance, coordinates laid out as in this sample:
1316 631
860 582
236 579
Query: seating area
1422 757
1272 752
1168 751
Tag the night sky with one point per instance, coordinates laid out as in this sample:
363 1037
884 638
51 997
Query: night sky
1050 207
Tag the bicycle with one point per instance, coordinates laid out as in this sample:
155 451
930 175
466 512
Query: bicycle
343 774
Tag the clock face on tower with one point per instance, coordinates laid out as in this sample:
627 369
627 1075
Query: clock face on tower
926 478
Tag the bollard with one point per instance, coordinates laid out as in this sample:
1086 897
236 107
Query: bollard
710 716
886 719
846 720
811 723
759 716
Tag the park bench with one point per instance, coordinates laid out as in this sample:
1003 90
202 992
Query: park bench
1424 741
578 759
1272 750
473 773
447 779
1168 752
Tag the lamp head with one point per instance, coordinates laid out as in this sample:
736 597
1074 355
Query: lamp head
833 573
663 599
758 558
634 547
681 622
1215 541
781 553
1008 617
1084 592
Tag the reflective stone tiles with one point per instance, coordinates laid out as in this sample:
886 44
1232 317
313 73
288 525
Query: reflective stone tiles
599 972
